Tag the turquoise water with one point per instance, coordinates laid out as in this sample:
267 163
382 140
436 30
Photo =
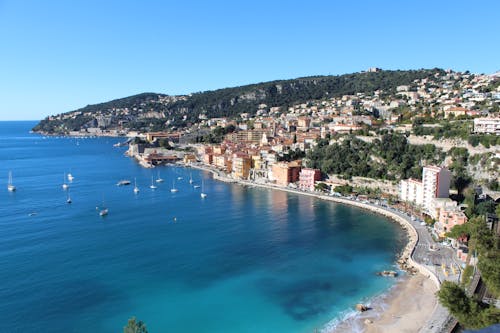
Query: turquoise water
241 260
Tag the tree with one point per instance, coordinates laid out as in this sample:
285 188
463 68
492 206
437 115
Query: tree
134 326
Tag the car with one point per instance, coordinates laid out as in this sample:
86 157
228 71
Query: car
423 223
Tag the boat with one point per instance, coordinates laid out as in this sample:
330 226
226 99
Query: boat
64 185
103 212
152 186
123 182
10 186
70 177
202 194
196 186
173 189
69 199
179 178
190 178
159 179
136 189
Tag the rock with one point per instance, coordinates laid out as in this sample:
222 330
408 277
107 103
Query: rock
368 321
388 273
361 307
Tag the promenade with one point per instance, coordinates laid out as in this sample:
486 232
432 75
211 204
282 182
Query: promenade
434 260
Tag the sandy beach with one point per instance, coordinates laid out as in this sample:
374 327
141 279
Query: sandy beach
406 308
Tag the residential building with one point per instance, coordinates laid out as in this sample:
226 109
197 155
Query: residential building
447 220
412 190
436 184
285 173
308 178
487 125
241 165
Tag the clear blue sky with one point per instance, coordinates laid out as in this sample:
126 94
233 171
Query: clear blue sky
57 56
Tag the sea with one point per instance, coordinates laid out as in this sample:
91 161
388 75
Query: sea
243 259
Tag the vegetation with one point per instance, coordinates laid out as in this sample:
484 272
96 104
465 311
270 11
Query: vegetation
468 311
134 326
217 134
390 157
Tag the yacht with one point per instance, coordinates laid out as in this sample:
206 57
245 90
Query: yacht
103 212
173 189
152 186
64 185
10 186
190 178
202 194
136 189
159 179
123 182
70 177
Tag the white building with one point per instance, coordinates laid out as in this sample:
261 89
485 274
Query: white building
412 190
436 183
487 125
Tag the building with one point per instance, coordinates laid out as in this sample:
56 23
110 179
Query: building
436 184
447 220
412 190
285 173
241 166
487 125
308 178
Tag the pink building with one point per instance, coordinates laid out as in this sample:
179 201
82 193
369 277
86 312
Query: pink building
448 219
308 178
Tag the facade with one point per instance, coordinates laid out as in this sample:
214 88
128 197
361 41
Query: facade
308 178
241 166
436 184
487 125
285 173
412 190
447 220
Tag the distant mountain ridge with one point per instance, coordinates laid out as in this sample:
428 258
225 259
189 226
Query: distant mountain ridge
160 111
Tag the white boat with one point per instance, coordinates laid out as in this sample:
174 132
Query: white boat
103 212
70 177
173 189
10 186
64 185
196 186
123 182
136 189
159 179
202 194
152 186
179 178
190 178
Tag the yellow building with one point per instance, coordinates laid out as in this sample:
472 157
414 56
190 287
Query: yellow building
241 166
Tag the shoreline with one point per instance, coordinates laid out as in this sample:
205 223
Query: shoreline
405 307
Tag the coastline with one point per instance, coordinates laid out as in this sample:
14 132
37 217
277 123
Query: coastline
405 307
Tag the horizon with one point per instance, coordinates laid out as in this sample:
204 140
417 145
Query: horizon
60 57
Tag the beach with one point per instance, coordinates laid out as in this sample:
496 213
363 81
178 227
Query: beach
405 308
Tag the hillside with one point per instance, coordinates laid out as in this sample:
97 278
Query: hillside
158 111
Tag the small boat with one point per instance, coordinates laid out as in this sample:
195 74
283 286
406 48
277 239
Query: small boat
64 185
190 178
179 178
152 186
159 179
196 186
202 194
103 212
70 177
69 199
136 189
10 186
123 182
173 189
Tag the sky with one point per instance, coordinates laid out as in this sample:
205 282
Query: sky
58 56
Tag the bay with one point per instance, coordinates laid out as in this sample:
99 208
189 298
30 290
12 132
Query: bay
241 260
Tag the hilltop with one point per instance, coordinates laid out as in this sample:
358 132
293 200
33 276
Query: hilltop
152 111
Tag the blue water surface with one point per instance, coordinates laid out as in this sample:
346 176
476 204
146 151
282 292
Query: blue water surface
241 260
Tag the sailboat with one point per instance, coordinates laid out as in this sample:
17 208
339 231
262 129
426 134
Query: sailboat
64 185
173 189
202 194
136 189
152 186
69 199
190 178
10 187
159 179
104 210
70 177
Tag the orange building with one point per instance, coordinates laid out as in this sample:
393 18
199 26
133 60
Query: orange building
448 219
285 173
241 165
